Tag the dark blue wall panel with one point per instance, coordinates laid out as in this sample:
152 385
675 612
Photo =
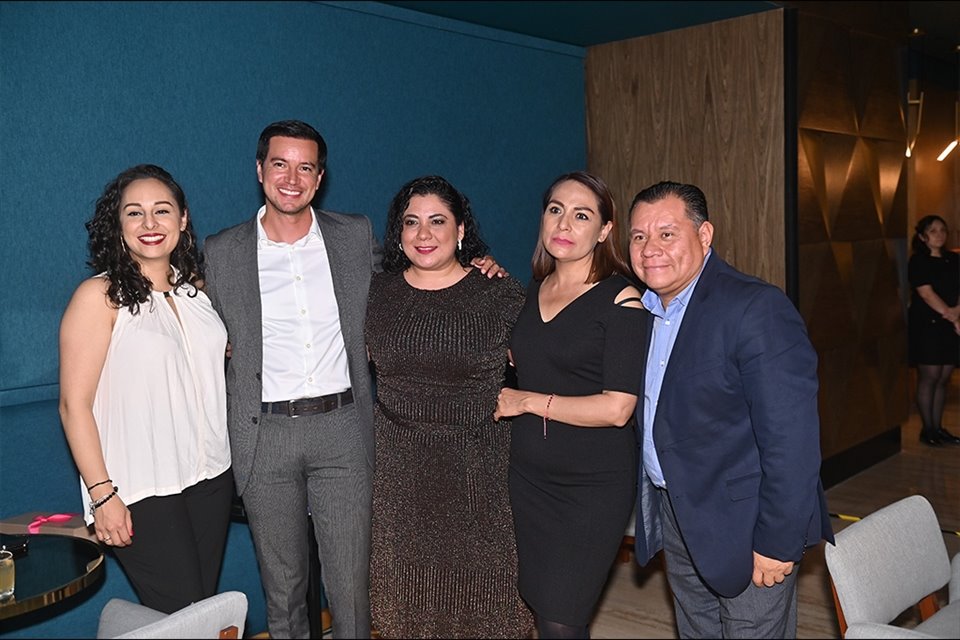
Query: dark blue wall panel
90 88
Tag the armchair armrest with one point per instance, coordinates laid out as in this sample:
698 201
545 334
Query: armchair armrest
865 630
954 589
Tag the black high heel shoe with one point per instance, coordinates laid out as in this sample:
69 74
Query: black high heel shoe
930 438
946 437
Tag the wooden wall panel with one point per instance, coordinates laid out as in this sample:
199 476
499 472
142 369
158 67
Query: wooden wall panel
702 105
852 221
705 105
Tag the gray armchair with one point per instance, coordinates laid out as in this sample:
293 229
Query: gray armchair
219 616
889 561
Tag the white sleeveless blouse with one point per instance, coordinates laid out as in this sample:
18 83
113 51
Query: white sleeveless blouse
161 404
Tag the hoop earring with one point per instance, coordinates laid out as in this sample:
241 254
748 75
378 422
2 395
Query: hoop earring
459 245
400 244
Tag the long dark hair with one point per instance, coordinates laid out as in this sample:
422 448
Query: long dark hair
472 245
108 253
919 246
608 257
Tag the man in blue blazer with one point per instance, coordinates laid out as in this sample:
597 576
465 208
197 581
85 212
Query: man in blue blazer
729 483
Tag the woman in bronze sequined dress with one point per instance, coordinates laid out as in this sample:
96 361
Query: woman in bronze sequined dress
443 561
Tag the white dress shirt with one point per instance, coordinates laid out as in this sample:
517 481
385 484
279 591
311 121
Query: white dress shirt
303 351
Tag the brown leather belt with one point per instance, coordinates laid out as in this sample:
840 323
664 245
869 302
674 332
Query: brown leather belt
309 406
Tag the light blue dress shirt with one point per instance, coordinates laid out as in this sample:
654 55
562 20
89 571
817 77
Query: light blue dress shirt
666 325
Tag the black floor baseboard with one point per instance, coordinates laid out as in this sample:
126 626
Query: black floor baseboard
845 464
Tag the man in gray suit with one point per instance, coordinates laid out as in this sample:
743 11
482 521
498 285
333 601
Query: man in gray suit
291 285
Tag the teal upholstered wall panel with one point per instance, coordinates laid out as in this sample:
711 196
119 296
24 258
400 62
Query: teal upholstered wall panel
90 88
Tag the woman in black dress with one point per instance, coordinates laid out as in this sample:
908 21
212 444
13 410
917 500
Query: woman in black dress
578 346
934 274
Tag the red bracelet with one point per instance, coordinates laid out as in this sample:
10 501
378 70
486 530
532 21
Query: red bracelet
546 415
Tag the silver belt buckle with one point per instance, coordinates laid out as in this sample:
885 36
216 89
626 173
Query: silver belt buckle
291 411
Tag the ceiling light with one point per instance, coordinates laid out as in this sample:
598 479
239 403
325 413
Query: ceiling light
956 118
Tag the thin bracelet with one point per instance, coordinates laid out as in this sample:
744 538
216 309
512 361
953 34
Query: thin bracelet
546 415
97 484
96 504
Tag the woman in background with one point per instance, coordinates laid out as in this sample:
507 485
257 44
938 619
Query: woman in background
443 559
579 350
933 325
142 394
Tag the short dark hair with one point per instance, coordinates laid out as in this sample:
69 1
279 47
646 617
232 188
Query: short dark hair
694 202
608 256
109 254
292 129
472 245
919 246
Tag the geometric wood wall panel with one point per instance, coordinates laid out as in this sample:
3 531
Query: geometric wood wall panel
877 88
825 101
851 213
702 105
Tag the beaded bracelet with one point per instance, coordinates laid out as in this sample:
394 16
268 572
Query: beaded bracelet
97 484
546 415
96 504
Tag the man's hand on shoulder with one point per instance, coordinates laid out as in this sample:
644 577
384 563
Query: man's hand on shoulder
489 267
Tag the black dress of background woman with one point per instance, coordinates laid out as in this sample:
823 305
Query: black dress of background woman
933 325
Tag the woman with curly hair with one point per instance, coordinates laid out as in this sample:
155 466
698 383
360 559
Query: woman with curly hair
443 558
142 393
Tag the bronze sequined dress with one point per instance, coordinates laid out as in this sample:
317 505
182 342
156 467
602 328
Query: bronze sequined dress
443 559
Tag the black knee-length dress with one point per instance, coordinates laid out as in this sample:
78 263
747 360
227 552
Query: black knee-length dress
933 339
573 491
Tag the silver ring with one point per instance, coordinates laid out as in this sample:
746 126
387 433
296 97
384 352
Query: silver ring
106 539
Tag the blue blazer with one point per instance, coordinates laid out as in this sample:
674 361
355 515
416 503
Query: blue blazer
737 433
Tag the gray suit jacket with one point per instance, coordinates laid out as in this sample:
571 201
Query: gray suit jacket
233 285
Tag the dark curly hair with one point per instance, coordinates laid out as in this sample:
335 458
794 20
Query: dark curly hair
108 253
472 245
919 246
